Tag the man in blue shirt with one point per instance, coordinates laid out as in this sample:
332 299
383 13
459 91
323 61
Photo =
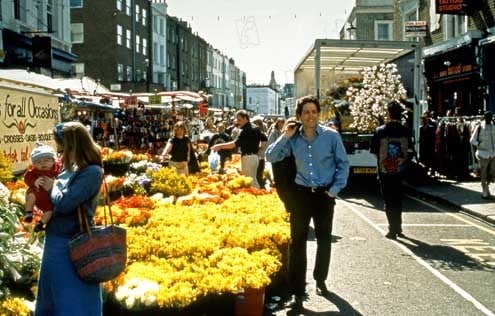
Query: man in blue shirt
322 171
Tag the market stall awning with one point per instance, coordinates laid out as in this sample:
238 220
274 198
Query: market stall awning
330 61
352 56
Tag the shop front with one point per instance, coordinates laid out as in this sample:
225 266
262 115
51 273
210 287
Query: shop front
453 76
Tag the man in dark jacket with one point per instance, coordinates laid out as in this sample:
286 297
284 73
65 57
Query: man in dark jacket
392 145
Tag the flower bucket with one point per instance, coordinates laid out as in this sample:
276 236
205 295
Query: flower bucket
249 303
116 169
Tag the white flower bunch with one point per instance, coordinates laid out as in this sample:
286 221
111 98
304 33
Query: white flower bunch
137 293
381 84
4 194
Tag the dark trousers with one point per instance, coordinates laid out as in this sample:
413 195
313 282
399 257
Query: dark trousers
320 207
391 188
259 173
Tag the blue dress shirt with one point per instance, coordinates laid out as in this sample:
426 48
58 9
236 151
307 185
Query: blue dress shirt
320 162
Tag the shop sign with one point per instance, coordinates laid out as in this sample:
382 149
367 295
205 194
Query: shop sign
155 99
416 28
453 70
115 87
28 118
458 7
130 100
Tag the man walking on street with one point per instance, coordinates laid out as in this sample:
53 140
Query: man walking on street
484 139
322 171
392 145
250 140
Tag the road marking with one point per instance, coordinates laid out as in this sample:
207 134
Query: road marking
435 272
430 225
490 231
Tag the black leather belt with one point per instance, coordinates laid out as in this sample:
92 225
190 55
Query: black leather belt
312 190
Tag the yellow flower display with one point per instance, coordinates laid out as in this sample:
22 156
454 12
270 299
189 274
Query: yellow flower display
184 253
14 306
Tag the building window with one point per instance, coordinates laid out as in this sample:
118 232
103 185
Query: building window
129 73
162 55
455 25
17 9
144 16
128 7
78 69
120 72
128 38
138 9
49 16
383 30
145 46
155 52
77 33
119 34
138 74
162 27
76 3
119 5
138 43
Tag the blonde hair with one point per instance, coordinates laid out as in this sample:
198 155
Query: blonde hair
76 142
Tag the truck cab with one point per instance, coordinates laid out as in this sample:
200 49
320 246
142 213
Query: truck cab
357 146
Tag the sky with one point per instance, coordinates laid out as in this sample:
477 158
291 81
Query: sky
263 35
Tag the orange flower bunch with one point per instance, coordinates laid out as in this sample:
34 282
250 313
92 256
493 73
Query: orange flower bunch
117 156
130 216
105 151
251 190
15 185
139 157
113 183
134 201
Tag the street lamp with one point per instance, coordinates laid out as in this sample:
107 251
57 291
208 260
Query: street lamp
352 31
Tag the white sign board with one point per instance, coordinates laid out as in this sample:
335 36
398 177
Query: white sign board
28 117
416 28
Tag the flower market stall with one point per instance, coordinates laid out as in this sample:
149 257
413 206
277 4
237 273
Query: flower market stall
195 243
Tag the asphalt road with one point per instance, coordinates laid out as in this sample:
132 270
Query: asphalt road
445 266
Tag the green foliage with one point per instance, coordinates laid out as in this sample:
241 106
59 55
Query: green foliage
168 182
19 260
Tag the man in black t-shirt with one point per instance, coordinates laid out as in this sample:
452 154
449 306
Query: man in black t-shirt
249 141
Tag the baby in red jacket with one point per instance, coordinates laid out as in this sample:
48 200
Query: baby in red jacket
44 165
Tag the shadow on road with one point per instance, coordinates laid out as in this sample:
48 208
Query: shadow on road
444 257
344 308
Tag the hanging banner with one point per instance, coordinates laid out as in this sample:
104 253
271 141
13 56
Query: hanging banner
155 99
28 117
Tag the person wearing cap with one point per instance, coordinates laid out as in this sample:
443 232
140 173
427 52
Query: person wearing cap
44 165
483 138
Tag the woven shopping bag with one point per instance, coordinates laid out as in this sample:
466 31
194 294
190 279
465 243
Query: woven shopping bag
98 253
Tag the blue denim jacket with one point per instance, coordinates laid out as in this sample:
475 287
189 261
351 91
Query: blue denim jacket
71 190
320 162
